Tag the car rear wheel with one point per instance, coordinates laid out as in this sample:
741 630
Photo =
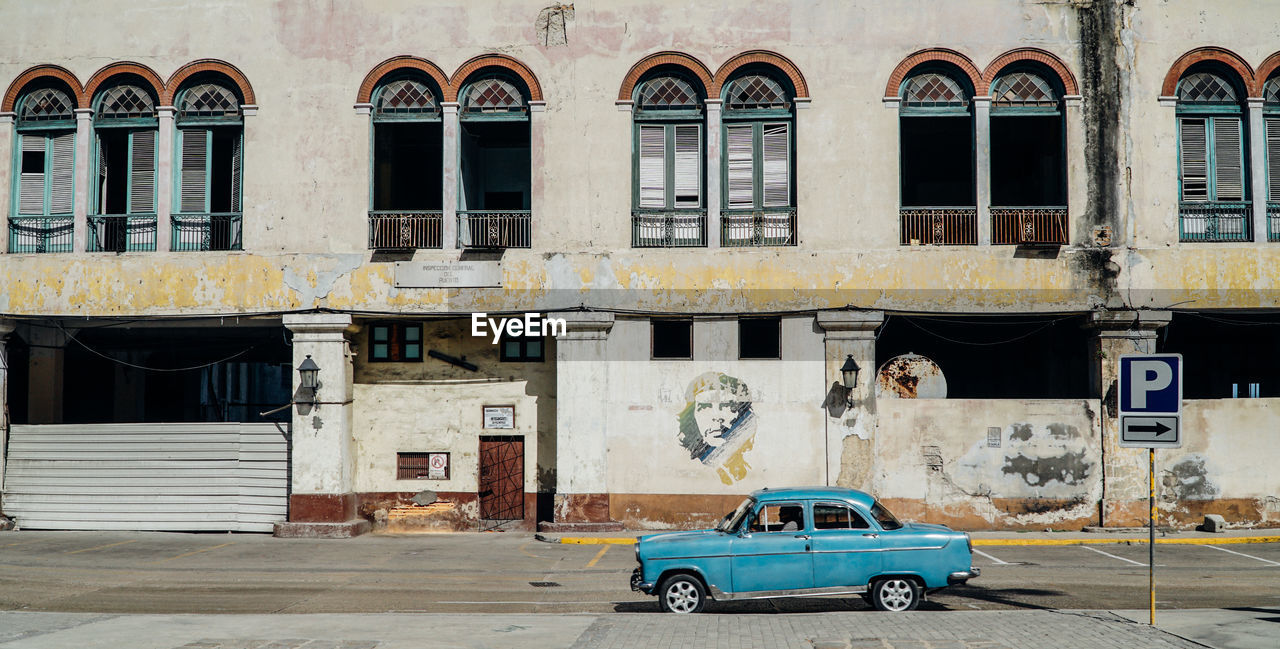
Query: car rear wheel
681 594
895 594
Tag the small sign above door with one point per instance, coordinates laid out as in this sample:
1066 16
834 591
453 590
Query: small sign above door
499 416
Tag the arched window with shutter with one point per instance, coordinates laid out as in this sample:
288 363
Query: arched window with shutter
495 181
1028 156
1271 118
406 196
122 208
41 218
936 130
208 165
1212 157
669 156
758 161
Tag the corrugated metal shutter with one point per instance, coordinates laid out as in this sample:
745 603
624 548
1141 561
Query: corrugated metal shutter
193 182
174 477
142 168
1195 160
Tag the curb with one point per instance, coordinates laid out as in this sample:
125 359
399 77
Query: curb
610 540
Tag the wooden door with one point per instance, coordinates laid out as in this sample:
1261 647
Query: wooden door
502 478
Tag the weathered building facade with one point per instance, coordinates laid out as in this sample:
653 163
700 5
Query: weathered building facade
983 204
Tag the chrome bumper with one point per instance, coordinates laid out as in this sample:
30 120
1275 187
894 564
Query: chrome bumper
638 583
961 577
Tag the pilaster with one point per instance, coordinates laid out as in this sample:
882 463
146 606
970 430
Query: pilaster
84 139
581 447
982 166
713 172
850 421
164 178
1258 168
6 145
449 175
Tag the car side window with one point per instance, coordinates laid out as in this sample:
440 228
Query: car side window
829 516
780 517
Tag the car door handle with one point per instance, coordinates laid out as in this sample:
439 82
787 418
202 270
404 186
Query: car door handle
803 536
872 535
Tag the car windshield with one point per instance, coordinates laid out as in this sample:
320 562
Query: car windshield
885 517
731 520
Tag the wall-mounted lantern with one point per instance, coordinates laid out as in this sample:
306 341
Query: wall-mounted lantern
309 389
849 378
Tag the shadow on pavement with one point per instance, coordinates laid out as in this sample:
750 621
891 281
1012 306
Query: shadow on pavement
1007 596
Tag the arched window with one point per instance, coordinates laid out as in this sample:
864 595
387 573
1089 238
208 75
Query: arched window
1271 116
407 193
1028 157
41 219
1213 176
123 193
758 161
937 157
494 147
668 138
209 147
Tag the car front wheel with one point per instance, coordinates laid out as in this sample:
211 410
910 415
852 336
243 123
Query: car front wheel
895 594
681 594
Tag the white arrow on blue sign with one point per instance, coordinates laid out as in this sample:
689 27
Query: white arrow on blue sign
1150 395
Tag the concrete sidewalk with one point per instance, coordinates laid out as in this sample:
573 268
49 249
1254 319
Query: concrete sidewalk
1025 629
1126 535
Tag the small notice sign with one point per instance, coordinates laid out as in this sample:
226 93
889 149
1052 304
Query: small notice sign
448 274
499 416
438 466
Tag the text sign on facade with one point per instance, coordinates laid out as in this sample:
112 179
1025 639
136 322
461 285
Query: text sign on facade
438 466
499 416
448 274
1150 398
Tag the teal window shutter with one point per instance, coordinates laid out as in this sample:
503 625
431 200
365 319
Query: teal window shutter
31 183
687 166
740 165
142 171
62 170
1228 159
1273 158
1193 149
653 173
193 189
776 165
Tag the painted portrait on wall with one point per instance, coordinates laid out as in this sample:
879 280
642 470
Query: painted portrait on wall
717 424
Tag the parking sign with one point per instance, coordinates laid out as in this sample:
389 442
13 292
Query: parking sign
1150 396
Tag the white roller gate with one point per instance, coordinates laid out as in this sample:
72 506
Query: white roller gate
198 476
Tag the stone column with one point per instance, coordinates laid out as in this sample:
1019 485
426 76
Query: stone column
449 176
713 173
1077 192
46 371
1258 167
582 498
84 140
6 328
850 447
537 166
322 502
982 166
1125 488
164 178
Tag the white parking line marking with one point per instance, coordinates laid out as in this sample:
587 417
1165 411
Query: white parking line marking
1244 555
1113 556
998 561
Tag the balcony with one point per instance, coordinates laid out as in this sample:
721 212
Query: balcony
668 229
493 229
216 231
41 233
1273 221
1029 225
939 226
756 228
405 229
122 233
1217 221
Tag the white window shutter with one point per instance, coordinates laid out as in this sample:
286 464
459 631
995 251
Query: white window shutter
236 166
1273 159
1195 162
653 172
1228 160
739 159
31 185
142 170
688 165
62 174
193 179
776 151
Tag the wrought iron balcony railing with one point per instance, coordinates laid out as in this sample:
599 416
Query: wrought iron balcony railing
122 233
1216 221
939 226
493 228
404 229
217 231
1029 225
668 228
1273 221
41 233
763 227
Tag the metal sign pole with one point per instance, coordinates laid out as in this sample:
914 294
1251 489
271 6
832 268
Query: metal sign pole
1151 544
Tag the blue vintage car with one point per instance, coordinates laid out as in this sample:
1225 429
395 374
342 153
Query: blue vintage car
803 542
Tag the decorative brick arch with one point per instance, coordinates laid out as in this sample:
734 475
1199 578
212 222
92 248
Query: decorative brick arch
782 63
1223 56
677 59
1029 54
401 63
208 65
936 54
37 72
1265 71
121 67
493 61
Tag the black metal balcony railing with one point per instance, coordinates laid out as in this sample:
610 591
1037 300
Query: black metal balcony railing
122 233
668 229
1273 221
1029 225
218 231
41 233
1216 221
939 226
404 229
493 228
765 227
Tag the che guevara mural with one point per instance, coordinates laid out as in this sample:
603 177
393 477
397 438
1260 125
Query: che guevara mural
717 425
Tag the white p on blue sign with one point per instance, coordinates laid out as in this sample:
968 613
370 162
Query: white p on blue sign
1150 396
